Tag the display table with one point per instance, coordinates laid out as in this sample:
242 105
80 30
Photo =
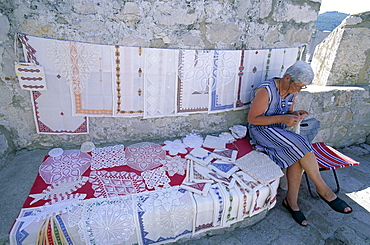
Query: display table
144 194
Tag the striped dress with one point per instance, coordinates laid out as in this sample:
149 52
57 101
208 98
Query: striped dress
283 147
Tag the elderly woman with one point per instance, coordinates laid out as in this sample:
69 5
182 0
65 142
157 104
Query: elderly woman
270 114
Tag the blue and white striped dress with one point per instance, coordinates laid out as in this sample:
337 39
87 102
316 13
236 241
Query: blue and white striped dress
283 147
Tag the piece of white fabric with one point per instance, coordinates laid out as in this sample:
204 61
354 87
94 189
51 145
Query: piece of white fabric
223 79
128 99
259 166
108 157
110 184
55 169
194 74
160 73
145 158
52 108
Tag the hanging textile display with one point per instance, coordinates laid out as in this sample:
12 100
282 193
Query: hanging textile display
194 72
159 82
128 99
223 78
52 108
91 80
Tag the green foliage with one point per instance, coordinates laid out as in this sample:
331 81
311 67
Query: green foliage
328 21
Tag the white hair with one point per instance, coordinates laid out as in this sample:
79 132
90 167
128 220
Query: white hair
300 72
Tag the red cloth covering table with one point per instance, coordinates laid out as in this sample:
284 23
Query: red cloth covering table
116 205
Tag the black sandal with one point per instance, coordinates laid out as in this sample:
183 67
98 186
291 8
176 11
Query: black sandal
298 216
337 205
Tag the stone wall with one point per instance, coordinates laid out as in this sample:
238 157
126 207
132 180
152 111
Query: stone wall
343 112
240 24
343 58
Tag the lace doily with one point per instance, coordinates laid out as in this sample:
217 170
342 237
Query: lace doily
60 189
109 184
55 152
259 166
163 219
104 222
155 178
87 146
108 157
174 165
175 147
55 169
193 140
145 158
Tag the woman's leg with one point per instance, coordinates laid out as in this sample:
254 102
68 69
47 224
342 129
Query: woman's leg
310 165
294 177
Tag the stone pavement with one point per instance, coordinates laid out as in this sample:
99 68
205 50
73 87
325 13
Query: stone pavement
273 227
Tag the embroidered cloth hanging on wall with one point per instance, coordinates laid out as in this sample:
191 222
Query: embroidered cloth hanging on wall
91 80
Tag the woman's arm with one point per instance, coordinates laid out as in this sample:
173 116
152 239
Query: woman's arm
300 113
258 107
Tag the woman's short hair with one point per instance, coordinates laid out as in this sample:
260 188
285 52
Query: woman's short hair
300 72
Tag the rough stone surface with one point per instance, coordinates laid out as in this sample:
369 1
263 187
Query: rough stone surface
343 112
191 24
343 58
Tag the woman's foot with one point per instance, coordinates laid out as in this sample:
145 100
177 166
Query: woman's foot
297 215
337 204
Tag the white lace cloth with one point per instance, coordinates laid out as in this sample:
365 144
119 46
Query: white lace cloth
175 147
259 166
104 222
60 189
108 157
165 214
174 165
145 158
109 184
193 140
155 178
61 167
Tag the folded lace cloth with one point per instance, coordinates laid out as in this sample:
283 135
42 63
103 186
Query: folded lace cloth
260 167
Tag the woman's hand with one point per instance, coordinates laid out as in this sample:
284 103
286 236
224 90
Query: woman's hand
290 120
300 113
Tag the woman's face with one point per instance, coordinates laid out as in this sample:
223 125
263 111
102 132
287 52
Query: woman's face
297 86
